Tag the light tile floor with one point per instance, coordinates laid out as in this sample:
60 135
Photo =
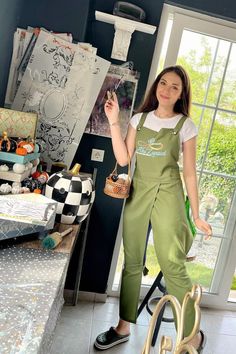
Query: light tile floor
79 325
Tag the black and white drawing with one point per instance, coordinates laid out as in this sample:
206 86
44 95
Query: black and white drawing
61 83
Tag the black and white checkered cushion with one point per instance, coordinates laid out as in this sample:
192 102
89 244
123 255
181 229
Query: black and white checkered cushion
74 196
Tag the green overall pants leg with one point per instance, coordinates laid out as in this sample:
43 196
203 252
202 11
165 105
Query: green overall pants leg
157 197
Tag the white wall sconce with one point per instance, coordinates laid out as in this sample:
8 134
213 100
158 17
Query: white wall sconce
123 31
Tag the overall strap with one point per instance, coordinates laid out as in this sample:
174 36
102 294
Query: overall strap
179 124
142 120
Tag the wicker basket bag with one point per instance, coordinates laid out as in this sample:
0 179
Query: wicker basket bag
117 186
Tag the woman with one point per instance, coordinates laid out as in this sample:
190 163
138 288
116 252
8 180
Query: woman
157 134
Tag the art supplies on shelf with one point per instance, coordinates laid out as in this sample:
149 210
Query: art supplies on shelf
27 208
53 240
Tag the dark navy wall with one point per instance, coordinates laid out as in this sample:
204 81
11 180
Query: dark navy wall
9 19
223 9
104 218
57 15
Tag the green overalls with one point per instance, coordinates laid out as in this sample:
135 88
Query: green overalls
156 196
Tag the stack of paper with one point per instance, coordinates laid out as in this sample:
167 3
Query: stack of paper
27 208
59 81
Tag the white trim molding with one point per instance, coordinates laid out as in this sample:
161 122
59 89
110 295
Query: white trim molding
124 29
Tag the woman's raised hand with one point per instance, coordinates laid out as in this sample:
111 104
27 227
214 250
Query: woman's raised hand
111 108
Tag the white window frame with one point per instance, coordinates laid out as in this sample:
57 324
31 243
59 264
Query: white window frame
169 10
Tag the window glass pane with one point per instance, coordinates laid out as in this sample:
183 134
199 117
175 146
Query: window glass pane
228 98
196 113
221 155
202 117
215 196
202 268
196 55
217 70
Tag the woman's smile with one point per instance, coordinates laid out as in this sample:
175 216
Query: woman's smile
164 97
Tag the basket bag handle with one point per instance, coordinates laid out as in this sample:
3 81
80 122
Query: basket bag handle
114 172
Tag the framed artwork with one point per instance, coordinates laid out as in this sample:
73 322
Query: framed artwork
124 81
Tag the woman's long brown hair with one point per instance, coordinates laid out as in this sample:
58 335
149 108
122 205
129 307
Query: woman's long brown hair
182 105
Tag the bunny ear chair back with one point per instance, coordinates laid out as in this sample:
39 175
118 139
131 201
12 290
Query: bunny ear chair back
182 343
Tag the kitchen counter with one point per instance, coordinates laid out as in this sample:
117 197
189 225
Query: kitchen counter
31 293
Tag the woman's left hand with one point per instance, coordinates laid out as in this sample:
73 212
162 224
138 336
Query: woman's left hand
203 226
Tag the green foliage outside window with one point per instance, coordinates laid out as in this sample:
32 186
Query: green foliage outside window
221 155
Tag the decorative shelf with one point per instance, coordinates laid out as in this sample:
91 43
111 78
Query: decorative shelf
112 19
12 157
123 31
14 177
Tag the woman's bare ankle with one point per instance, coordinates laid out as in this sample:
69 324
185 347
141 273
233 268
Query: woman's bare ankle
123 327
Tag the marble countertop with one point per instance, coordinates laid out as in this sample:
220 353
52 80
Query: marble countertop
31 297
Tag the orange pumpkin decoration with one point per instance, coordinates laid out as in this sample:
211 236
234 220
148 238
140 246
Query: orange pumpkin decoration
37 191
21 151
27 144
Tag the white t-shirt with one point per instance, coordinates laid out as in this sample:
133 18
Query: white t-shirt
188 130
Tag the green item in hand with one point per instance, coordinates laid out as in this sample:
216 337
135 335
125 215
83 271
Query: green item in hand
190 221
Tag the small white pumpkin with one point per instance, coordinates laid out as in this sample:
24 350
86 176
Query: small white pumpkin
5 188
4 168
18 168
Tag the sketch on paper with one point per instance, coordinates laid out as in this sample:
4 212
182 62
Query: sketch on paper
23 44
124 83
57 84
